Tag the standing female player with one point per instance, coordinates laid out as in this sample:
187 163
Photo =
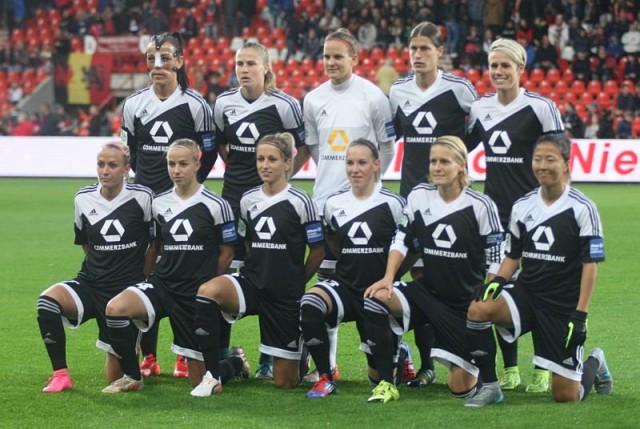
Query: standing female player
112 224
344 108
555 238
360 224
278 223
196 236
243 115
458 234
152 119
426 105
508 123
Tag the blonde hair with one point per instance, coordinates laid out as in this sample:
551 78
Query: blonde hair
460 155
510 48
270 76
283 142
345 36
188 145
118 147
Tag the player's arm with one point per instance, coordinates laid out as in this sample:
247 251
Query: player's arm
577 325
85 249
225 258
409 261
151 256
495 282
209 156
394 261
314 259
302 156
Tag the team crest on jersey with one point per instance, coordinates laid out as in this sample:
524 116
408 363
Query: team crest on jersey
112 230
444 236
360 233
424 123
500 142
161 132
248 133
543 238
181 230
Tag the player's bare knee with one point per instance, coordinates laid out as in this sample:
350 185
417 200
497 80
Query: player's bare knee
477 311
565 395
116 307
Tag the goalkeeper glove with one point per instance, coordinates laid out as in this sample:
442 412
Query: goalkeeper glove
576 330
491 289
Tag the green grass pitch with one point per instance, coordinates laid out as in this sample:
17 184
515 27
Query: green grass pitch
36 250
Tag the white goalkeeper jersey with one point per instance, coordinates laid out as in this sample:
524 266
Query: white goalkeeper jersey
334 115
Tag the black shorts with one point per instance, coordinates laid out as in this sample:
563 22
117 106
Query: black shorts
420 306
548 329
348 306
91 302
279 318
161 302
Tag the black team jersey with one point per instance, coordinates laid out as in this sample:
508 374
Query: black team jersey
240 124
191 231
422 116
457 240
150 125
363 230
116 234
508 134
277 230
553 242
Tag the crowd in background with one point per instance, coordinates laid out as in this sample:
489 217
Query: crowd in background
593 37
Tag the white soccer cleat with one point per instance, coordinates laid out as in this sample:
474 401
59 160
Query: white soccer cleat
124 384
207 387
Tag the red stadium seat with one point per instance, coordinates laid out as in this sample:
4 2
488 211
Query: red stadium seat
568 76
458 72
544 88
577 87
604 102
553 76
481 87
594 88
635 127
473 76
529 85
536 75
561 88
611 88
486 77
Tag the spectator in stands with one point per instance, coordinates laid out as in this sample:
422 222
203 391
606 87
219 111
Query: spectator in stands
524 31
214 87
367 34
509 30
636 99
230 8
546 55
581 67
98 123
488 40
312 44
540 28
592 126
558 33
385 38
494 15
158 22
623 129
531 53
614 47
631 39
386 76
581 41
15 92
632 67
25 126
328 23
209 19
189 25
605 131
605 65
626 100
573 125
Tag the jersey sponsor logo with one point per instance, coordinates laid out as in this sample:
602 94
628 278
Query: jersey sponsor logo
314 232
161 136
499 142
444 236
360 233
123 137
229 233
390 130
112 230
596 248
265 228
494 238
338 140
425 123
543 238
115 247
248 133
181 230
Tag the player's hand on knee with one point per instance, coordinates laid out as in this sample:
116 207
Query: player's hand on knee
379 285
576 330
491 289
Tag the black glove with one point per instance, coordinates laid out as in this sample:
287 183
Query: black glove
576 330
491 289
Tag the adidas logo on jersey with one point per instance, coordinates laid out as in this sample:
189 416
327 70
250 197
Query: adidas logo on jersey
341 213
167 212
407 104
568 361
93 212
323 113
427 212
488 117
254 208
144 113
529 218
233 112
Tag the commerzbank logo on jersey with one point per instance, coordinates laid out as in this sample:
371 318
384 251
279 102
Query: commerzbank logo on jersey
444 236
425 123
338 140
359 233
543 238
248 133
161 132
500 142
265 228
181 230
112 230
